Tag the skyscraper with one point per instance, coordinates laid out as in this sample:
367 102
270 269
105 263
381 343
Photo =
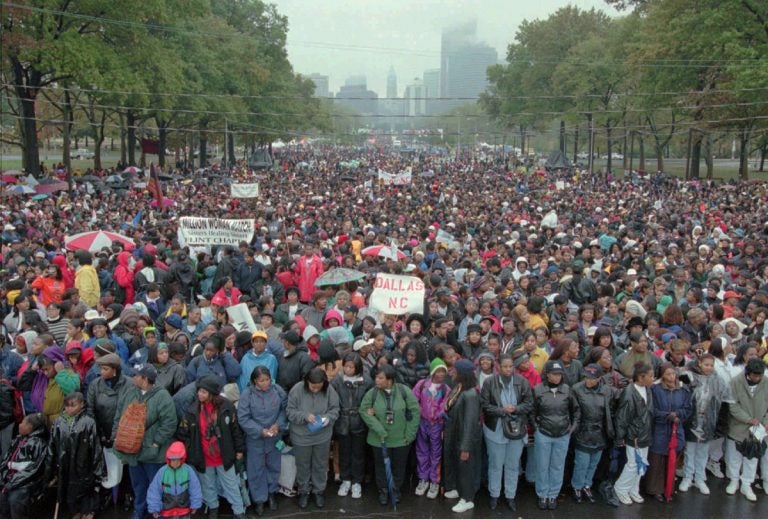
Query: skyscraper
464 62
321 85
391 83
432 89
416 97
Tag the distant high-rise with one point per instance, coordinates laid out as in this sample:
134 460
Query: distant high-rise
358 80
391 83
321 85
416 97
432 89
464 62
355 95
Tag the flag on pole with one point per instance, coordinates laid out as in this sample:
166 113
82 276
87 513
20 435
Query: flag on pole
137 219
153 186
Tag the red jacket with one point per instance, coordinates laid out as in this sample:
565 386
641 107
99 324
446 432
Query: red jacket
124 277
306 274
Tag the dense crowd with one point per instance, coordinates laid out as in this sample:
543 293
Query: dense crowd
600 333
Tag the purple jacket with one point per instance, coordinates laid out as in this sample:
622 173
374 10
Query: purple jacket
432 408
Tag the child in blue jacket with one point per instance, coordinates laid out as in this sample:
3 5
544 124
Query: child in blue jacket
175 490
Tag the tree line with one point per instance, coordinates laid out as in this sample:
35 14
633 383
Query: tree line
695 70
175 70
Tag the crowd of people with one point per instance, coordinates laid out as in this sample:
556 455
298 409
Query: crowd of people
603 337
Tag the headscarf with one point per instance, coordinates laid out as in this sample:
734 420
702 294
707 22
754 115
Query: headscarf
40 384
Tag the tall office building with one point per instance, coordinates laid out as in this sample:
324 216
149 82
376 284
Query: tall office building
464 62
391 83
416 98
355 95
432 89
321 85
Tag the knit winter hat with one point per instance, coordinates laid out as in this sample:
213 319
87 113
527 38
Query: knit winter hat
436 364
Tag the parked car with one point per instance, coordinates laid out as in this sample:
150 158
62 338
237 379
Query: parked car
83 154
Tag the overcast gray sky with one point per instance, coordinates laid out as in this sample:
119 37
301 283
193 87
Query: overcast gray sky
340 38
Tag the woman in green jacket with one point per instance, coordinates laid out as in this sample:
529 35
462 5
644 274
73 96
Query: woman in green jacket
391 413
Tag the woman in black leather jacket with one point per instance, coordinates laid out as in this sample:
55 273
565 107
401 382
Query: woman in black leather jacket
351 384
556 415
634 422
22 470
506 396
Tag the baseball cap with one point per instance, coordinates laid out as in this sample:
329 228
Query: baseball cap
593 371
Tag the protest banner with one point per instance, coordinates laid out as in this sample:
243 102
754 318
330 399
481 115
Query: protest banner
215 231
242 319
397 295
395 179
245 190
446 239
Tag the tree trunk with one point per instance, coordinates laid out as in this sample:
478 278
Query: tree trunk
123 143
522 140
562 136
641 160
26 91
625 160
162 137
744 137
66 135
695 156
609 145
99 140
203 143
576 144
708 157
130 121
591 130
763 151
231 150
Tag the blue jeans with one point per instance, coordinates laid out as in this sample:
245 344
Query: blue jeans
141 476
549 461
503 457
584 466
215 479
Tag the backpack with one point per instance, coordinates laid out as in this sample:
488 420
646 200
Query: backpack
18 401
117 291
130 429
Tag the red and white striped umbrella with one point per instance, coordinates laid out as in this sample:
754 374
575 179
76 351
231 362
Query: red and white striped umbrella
384 251
94 241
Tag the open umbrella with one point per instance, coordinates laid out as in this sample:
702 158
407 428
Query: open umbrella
43 189
671 462
48 180
13 173
130 170
20 190
95 240
37 198
384 251
338 276
91 178
167 202
388 472
114 178
9 179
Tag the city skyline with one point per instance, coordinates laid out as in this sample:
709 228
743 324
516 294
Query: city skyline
370 37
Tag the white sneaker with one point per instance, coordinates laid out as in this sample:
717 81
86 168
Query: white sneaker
434 489
463 506
452 494
357 491
746 491
732 487
421 488
624 499
702 486
344 488
637 498
685 485
714 468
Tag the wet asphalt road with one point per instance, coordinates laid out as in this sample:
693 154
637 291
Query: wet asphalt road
690 505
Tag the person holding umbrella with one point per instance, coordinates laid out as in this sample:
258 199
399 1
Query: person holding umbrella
672 408
391 412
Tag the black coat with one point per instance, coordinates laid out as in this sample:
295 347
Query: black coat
293 368
462 423
32 449
555 414
595 430
7 399
490 402
229 434
102 404
634 418
350 397
75 456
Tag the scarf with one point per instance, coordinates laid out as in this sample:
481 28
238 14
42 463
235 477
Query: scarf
209 416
